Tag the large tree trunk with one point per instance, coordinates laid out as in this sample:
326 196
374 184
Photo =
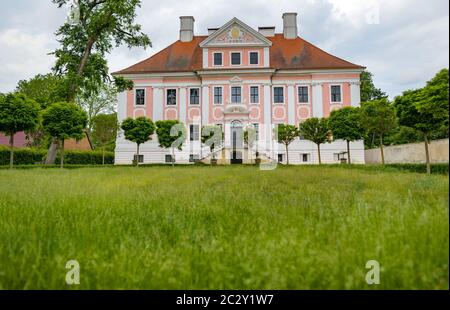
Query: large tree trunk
382 149
287 154
51 154
427 153
11 151
318 153
348 152
62 153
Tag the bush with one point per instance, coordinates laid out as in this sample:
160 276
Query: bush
33 156
421 168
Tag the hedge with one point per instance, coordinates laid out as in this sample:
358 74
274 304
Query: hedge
27 156
421 168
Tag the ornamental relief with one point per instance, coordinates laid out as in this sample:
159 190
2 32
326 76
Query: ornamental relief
235 35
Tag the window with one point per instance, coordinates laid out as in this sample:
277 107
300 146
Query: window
254 94
335 93
217 95
193 158
305 157
194 134
278 95
140 97
280 158
194 97
141 158
256 127
169 159
303 94
254 58
171 97
235 59
236 94
218 59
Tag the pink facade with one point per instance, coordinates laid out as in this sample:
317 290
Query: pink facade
19 140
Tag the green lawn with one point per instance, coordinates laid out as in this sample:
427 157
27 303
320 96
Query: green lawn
223 228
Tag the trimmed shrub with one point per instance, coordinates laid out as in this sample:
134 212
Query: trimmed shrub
27 156
421 168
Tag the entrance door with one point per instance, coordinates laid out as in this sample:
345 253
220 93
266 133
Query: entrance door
236 142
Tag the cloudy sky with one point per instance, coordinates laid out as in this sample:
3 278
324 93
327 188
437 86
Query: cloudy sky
403 42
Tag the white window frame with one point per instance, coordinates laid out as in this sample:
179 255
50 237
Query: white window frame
342 94
256 130
240 56
213 64
176 97
250 94
214 95
190 132
250 64
145 97
199 96
309 94
231 94
308 157
284 95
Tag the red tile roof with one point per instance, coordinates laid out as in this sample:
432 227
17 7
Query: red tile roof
284 54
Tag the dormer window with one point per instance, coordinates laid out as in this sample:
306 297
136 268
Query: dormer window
218 59
235 59
254 58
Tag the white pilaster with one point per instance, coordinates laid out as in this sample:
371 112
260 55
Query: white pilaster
317 90
158 103
267 117
266 57
291 104
182 116
205 105
122 106
355 93
205 58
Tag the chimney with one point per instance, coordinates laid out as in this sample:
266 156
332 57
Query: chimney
212 30
186 28
267 31
290 25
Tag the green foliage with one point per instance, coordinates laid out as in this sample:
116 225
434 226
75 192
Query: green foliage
421 168
315 130
212 136
402 135
138 130
105 127
345 124
28 156
368 90
85 42
44 89
378 116
64 120
171 134
18 113
286 134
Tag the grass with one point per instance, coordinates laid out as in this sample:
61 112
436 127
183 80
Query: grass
223 228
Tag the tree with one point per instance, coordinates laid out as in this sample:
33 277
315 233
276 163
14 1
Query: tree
104 131
250 137
212 136
99 26
316 130
102 102
138 130
17 113
286 134
345 124
368 90
96 28
171 134
378 116
44 89
63 121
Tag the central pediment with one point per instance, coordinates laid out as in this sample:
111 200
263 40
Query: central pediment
236 33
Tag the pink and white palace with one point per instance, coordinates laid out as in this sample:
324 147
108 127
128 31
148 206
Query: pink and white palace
236 77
